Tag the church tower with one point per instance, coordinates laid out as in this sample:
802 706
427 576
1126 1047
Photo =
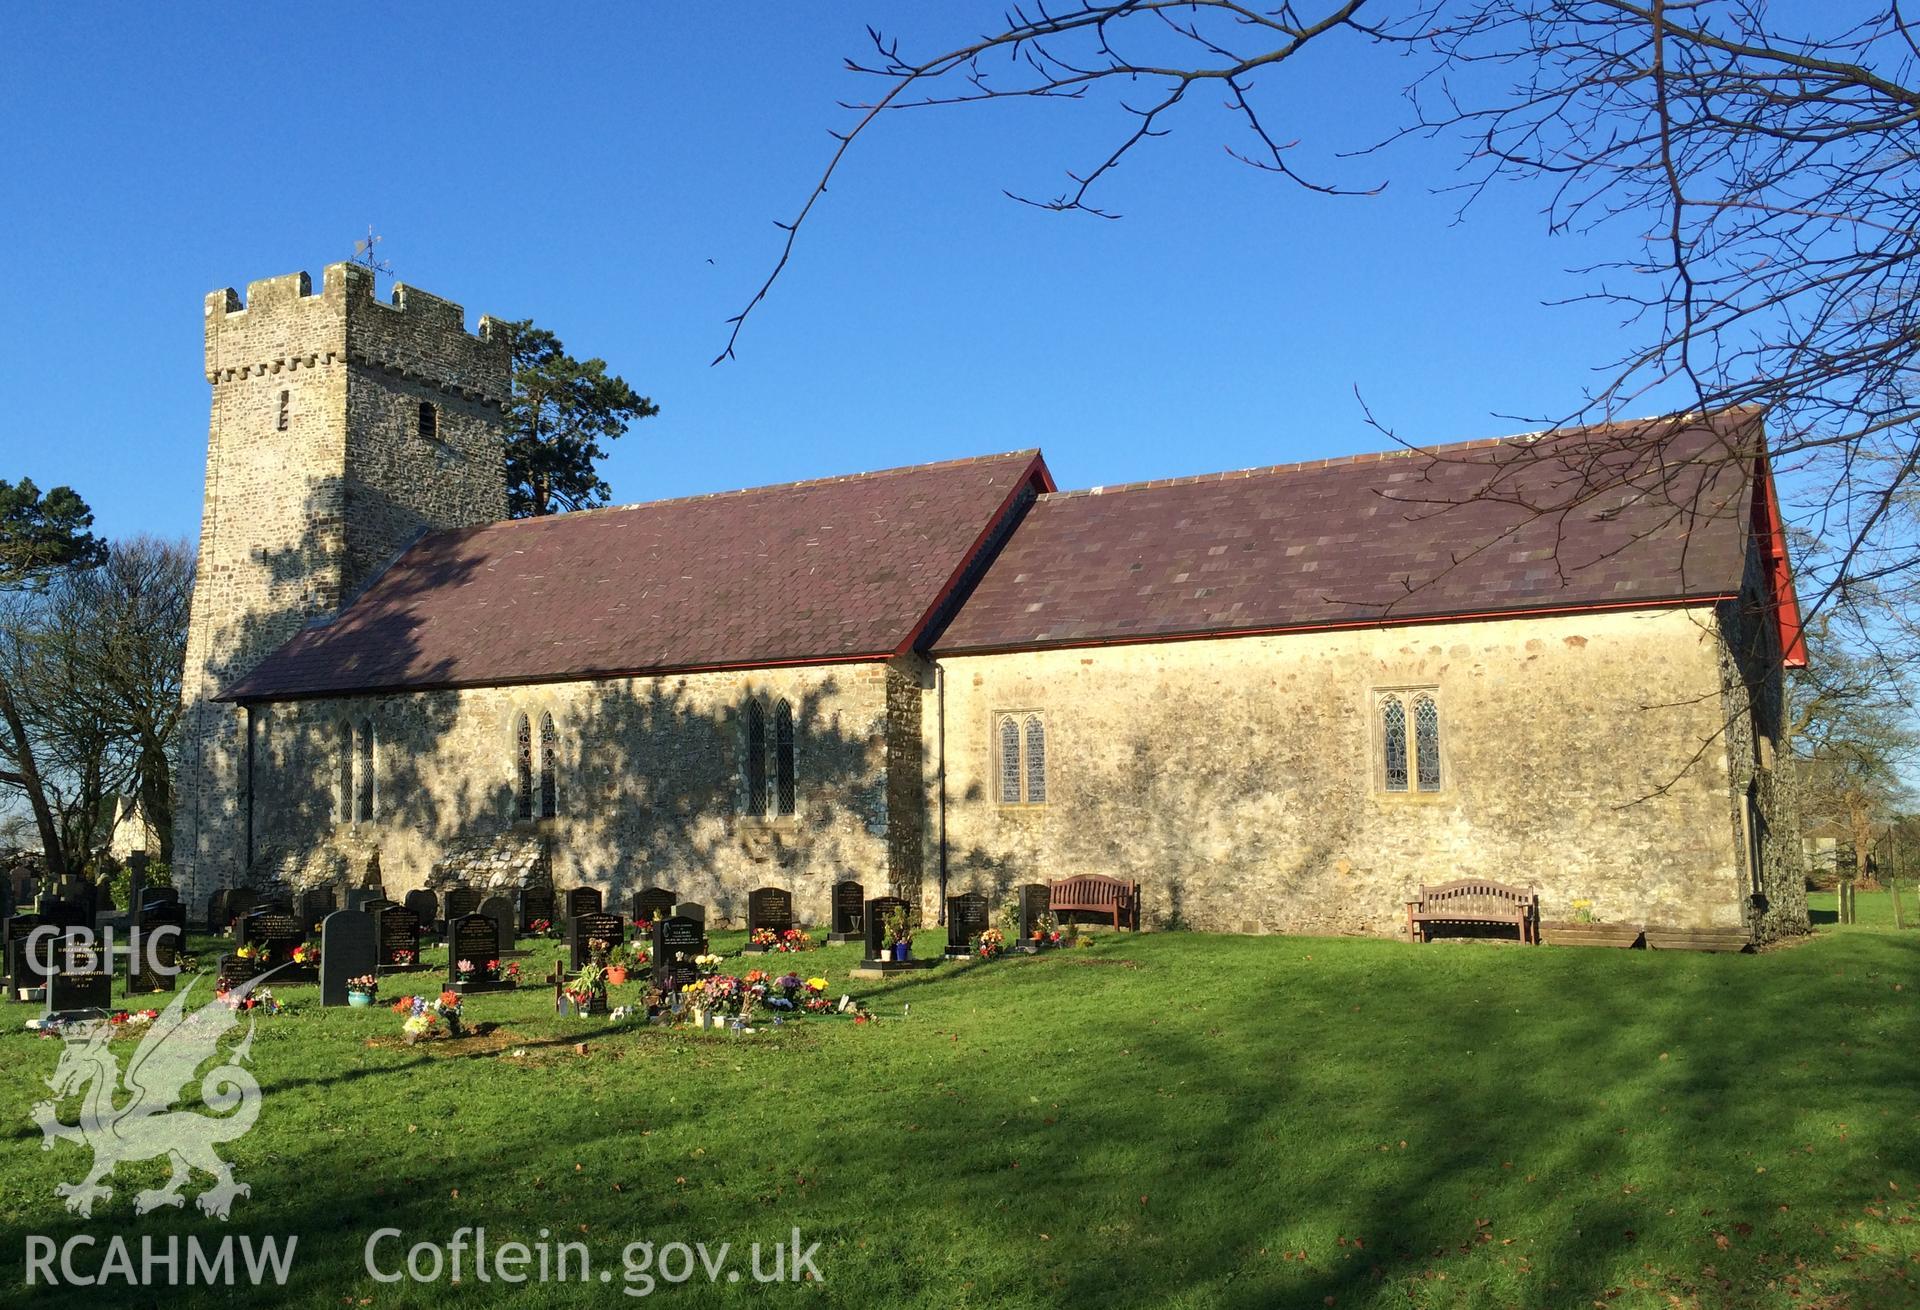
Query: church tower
341 429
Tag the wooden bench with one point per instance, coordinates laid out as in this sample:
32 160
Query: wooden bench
1474 901
1097 894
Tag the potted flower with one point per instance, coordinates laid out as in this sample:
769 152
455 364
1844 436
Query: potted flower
990 943
898 925
362 990
617 967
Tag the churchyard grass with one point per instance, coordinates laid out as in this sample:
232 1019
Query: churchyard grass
1164 1120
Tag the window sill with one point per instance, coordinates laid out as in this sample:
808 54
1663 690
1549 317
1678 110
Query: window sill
758 823
1442 796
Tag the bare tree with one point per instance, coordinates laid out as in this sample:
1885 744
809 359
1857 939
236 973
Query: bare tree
1762 172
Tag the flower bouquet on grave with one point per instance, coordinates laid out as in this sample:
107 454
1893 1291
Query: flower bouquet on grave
989 944
307 955
707 963
362 990
512 974
423 1017
793 939
765 939
898 926
586 992
465 970
405 959
539 927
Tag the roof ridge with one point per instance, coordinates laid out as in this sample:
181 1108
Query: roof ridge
1690 420
802 484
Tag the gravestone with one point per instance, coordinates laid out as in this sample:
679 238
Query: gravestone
377 906
769 909
1036 902
677 942
153 954
474 938
966 919
848 897
692 910
500 910
359 898
65 914
582 900
399 948
236 972
240 903
275 932
650 903
425 905
78 977
316 903
461 901
21 971
217 911
875 915
103 899
136 884
585 929
349 948
536 906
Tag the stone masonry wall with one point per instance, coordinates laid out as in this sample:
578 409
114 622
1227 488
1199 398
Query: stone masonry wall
316 476
1237 779
651 784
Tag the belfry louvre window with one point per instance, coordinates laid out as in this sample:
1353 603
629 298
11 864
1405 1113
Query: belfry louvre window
1020 758
1409 765
429 421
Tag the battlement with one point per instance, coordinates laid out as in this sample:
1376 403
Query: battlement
283 324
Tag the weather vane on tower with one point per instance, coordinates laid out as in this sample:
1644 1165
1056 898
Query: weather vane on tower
363 254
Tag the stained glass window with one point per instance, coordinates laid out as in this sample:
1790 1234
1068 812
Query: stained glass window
523 769
345 811
756 759
783 768
1036 760
549 758
1393 724
1009 761
1426 743
363 806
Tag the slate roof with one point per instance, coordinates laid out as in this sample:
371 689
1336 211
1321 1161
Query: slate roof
835 569
1479 528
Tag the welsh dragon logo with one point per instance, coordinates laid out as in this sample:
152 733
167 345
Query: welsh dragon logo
139 1121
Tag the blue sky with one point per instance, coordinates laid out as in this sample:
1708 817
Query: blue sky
615 173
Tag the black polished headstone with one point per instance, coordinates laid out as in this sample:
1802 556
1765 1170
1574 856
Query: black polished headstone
22 972
878 947
966 920
399 939
316 903
536 905
349 948
461 901
769 909
500 910
79 979
677 942
585 929
240 903
848 899
652 903
425 905
1036 903
691 910
153 953
582 900
474 938
217 911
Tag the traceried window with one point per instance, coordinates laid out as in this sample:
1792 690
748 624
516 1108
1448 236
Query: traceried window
344 810
1020 749
523 768
363 796
1408 765
549 759
1036 760
756 759
1009 761
784 777
1393 734
1426 743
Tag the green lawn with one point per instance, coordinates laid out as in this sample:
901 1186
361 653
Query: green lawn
1167 1120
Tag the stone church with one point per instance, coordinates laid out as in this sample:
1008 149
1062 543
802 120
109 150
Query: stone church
1281 699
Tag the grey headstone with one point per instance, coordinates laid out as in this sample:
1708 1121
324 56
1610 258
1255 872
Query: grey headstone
349 948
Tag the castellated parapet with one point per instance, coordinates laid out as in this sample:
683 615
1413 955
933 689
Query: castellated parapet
341 428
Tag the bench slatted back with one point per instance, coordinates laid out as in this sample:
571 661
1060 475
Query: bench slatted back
1474 896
